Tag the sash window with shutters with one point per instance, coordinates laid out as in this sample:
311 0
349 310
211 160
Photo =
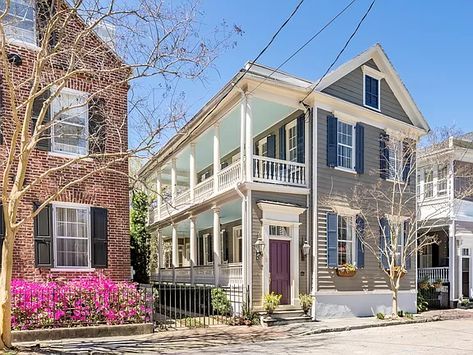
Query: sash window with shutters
20 21
291 132
345 145
396 168
345 232
442 180
428 183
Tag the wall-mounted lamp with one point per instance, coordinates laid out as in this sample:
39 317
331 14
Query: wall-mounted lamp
305 248
259 248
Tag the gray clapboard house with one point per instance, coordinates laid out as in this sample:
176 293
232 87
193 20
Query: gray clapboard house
240 189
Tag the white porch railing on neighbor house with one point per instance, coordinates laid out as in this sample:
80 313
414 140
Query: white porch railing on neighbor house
278 171
166 275
183 274
203 190
228 176
231 274
183 198
433 274
204 274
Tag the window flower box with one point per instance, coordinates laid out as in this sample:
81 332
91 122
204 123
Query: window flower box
346 270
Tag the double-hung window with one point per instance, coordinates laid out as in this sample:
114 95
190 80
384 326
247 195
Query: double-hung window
371 94
237 245
442 180
428 183
70 128
72 236
20 20
345 243
291 131
395 169
345 145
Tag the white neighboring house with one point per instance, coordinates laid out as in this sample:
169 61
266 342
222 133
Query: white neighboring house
446 210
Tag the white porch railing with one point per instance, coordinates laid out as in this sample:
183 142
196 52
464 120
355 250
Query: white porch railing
204 274
231 274
183 198
203 190
278 171
183 274
433 274
229 176
166 275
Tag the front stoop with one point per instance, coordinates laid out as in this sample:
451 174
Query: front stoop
284 317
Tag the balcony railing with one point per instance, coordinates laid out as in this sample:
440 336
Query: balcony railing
204 274
231 274
203 190
228 176
183 274
433 274
278 171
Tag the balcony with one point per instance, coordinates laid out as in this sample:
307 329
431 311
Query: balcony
230 274
432 274
276 171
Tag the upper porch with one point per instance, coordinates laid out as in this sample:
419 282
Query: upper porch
254 141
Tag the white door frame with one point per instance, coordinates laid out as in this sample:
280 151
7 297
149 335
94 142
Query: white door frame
460 270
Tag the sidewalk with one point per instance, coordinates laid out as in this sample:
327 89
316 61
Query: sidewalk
195 339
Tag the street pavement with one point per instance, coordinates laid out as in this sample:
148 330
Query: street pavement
442 337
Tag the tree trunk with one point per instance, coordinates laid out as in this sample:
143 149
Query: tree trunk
5 287
394 303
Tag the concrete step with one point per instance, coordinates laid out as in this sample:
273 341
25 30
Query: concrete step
284 317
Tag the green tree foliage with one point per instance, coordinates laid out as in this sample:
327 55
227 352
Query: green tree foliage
140 237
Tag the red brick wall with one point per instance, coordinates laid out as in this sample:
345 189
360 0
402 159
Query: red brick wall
108 189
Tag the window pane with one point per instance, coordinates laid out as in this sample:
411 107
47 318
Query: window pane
345 145
72 252
20 21
345 241
371 92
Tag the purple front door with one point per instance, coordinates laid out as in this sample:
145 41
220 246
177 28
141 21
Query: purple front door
279 269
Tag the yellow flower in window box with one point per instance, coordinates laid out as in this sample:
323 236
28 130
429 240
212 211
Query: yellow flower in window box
346 270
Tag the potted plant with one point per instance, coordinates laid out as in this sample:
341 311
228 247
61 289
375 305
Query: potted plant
271 302
424 284
306 302
346 270
438 283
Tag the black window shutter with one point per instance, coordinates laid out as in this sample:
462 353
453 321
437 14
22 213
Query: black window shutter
97 127
383 155
360 249
332 240
201 250
45 141
282 142
300 129
99 228
384 242
406 240
45 11
225 245
332 141
2 232
360 148
43 236
407 158
210 248
271 144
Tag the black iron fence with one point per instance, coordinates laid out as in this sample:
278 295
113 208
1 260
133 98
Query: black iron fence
436 296
194 306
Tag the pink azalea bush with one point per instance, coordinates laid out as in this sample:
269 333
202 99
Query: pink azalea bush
84 301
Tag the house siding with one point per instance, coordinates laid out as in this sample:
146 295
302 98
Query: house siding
257 265
337 187
350 88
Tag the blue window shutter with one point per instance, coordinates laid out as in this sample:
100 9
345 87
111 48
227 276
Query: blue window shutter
332 240
360 148
406 161
383 155
300 138
406 237
384 239
282 142
331 141
271 144
360 249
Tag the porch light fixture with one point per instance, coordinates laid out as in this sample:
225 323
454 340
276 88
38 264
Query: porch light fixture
305 248
259 248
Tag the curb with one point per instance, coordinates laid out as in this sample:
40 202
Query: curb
365 326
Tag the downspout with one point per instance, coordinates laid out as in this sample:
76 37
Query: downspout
244 221
314 194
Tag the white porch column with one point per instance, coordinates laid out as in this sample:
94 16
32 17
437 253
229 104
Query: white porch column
160 250
217 259
306 146
216 155
249 140
192 172
175 252
452 260
173 180
243 105
159 199
193 246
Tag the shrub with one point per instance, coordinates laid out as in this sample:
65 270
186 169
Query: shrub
83 301
220 302
306 302
380 315
271 302
422 304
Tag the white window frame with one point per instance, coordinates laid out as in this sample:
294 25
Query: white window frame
236 245
56 107
400 244
377 75
13 37
351 224
289 127
55 235
263 147
206 249
353 146
431 183
396 161
441 181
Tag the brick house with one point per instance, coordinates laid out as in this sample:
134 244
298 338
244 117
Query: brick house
86 228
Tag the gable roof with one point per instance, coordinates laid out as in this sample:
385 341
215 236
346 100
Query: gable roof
377 54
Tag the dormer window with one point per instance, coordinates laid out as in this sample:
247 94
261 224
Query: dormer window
371 87
19 22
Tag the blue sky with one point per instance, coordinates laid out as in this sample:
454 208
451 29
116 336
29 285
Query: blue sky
429 42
